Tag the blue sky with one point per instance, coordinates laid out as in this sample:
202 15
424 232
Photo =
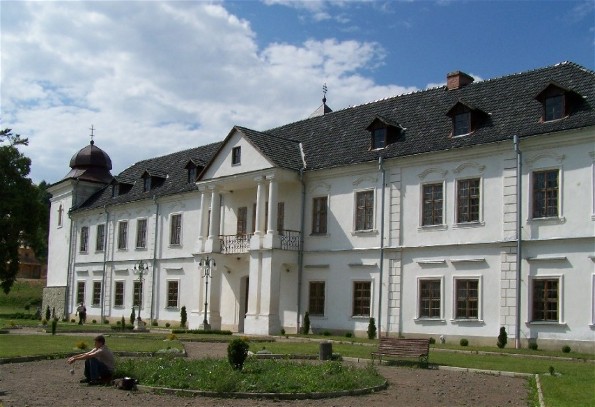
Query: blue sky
156 77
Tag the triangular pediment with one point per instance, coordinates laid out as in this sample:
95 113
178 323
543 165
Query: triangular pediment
237 155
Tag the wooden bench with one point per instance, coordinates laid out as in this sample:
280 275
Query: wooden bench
403 348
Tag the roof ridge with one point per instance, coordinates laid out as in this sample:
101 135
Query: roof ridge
176 152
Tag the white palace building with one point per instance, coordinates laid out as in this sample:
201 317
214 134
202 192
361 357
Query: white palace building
451 211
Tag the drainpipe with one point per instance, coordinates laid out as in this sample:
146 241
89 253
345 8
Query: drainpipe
383 178
154 258
302 230
519 190
104 260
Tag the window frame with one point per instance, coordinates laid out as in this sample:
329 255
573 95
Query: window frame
559 300
84 240
123 235
478 300
100 238
320 215
192 174
358 309
242 221
469 198
168 293
97 293
119 293
462 118
534 201
80 291
141 240
236 155
420 299
379 136
363 212
317 298
423 204
175 229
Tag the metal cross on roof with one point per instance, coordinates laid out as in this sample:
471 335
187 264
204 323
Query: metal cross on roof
92 129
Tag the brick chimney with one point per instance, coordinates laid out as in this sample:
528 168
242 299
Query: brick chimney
457 80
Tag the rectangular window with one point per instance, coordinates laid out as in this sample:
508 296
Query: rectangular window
242 223
137 296
122 235
432 204
119 294
554 107
236 156
545 193
429 299
379 138
467 292
84 239
361 298
468 200
316 298
173 288
175 231
147 184
192 172
100 240
96 293
80 292
364 215
141 234
546 299
319 211
280 217
462 124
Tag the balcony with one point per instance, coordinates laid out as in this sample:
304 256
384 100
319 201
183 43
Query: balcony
235 244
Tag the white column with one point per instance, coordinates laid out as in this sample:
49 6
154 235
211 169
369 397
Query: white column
202 222
260 202
272 220
215 218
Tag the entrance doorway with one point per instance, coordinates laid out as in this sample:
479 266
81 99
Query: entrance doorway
244 290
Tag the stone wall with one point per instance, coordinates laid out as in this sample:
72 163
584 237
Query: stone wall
55 298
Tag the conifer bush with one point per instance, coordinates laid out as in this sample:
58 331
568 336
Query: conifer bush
502 338
237 352
372 329
306 327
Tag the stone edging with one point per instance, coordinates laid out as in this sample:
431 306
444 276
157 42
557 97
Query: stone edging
277 396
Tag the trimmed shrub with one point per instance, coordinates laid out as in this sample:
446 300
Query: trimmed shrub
155 323
464 342
167 324
237 352
349 334
502 338
533 345
432 341
81 345
372 329
306 327
566 349
48 313
123 322
54 326
183 317
132 316
282 331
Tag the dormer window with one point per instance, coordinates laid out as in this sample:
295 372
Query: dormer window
383 132
120 186
193 169
236 155
465 119
153 179
556 102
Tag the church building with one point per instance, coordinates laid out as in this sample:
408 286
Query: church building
452 211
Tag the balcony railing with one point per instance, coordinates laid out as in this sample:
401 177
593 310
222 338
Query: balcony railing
290 239
231 244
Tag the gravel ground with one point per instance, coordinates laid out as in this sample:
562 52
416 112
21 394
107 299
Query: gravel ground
49 383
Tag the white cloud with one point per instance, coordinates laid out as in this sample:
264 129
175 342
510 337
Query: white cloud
158 77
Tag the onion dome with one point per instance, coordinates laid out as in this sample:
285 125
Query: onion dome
91 164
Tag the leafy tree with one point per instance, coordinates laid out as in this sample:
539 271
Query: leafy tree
21 211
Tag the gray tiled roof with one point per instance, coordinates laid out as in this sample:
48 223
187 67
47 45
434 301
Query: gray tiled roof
340 138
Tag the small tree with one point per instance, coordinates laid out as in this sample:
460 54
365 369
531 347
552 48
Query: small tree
48 313
237 352
132 316
372 329
502 338
183 317
54 326
123 323
306 327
